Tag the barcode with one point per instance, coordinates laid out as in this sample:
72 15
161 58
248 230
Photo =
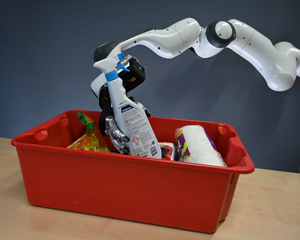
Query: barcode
153 151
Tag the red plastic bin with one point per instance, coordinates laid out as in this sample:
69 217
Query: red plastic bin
169 193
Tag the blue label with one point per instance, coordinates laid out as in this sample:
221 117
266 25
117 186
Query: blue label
126 108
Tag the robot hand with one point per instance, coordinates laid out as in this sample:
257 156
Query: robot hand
118 138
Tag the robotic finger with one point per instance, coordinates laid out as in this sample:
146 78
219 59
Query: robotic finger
112 130
120 146
118 138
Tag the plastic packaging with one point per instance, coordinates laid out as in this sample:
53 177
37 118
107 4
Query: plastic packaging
196 146
168 151
91 140
132 120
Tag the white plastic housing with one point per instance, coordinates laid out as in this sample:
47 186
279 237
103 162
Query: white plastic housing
167 43
223 30
290 53
203 48
279 73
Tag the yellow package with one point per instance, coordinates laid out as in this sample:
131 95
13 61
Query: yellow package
91 140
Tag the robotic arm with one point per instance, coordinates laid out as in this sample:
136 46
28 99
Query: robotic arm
279 65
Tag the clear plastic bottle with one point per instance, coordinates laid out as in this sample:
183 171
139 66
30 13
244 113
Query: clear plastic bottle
92 139
98 142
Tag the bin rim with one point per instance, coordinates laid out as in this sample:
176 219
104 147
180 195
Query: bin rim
247 167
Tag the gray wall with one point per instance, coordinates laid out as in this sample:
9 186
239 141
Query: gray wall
46 57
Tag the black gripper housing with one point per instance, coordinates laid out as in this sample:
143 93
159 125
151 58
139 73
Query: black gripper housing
134 77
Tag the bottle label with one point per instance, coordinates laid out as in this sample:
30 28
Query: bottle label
139 132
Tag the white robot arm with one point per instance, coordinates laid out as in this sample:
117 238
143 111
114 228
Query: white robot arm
279 64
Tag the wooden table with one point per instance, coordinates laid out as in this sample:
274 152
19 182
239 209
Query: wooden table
266 205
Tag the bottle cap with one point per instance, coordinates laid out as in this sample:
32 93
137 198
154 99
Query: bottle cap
89 125
82 118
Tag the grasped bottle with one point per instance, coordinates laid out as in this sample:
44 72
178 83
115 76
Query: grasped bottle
132 121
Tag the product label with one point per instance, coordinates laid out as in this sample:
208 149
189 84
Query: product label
85 142
139 132
182 147
211 141
215 148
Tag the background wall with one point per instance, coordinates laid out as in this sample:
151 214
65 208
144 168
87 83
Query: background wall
46 57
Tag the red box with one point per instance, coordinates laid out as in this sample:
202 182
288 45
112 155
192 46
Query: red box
169 193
